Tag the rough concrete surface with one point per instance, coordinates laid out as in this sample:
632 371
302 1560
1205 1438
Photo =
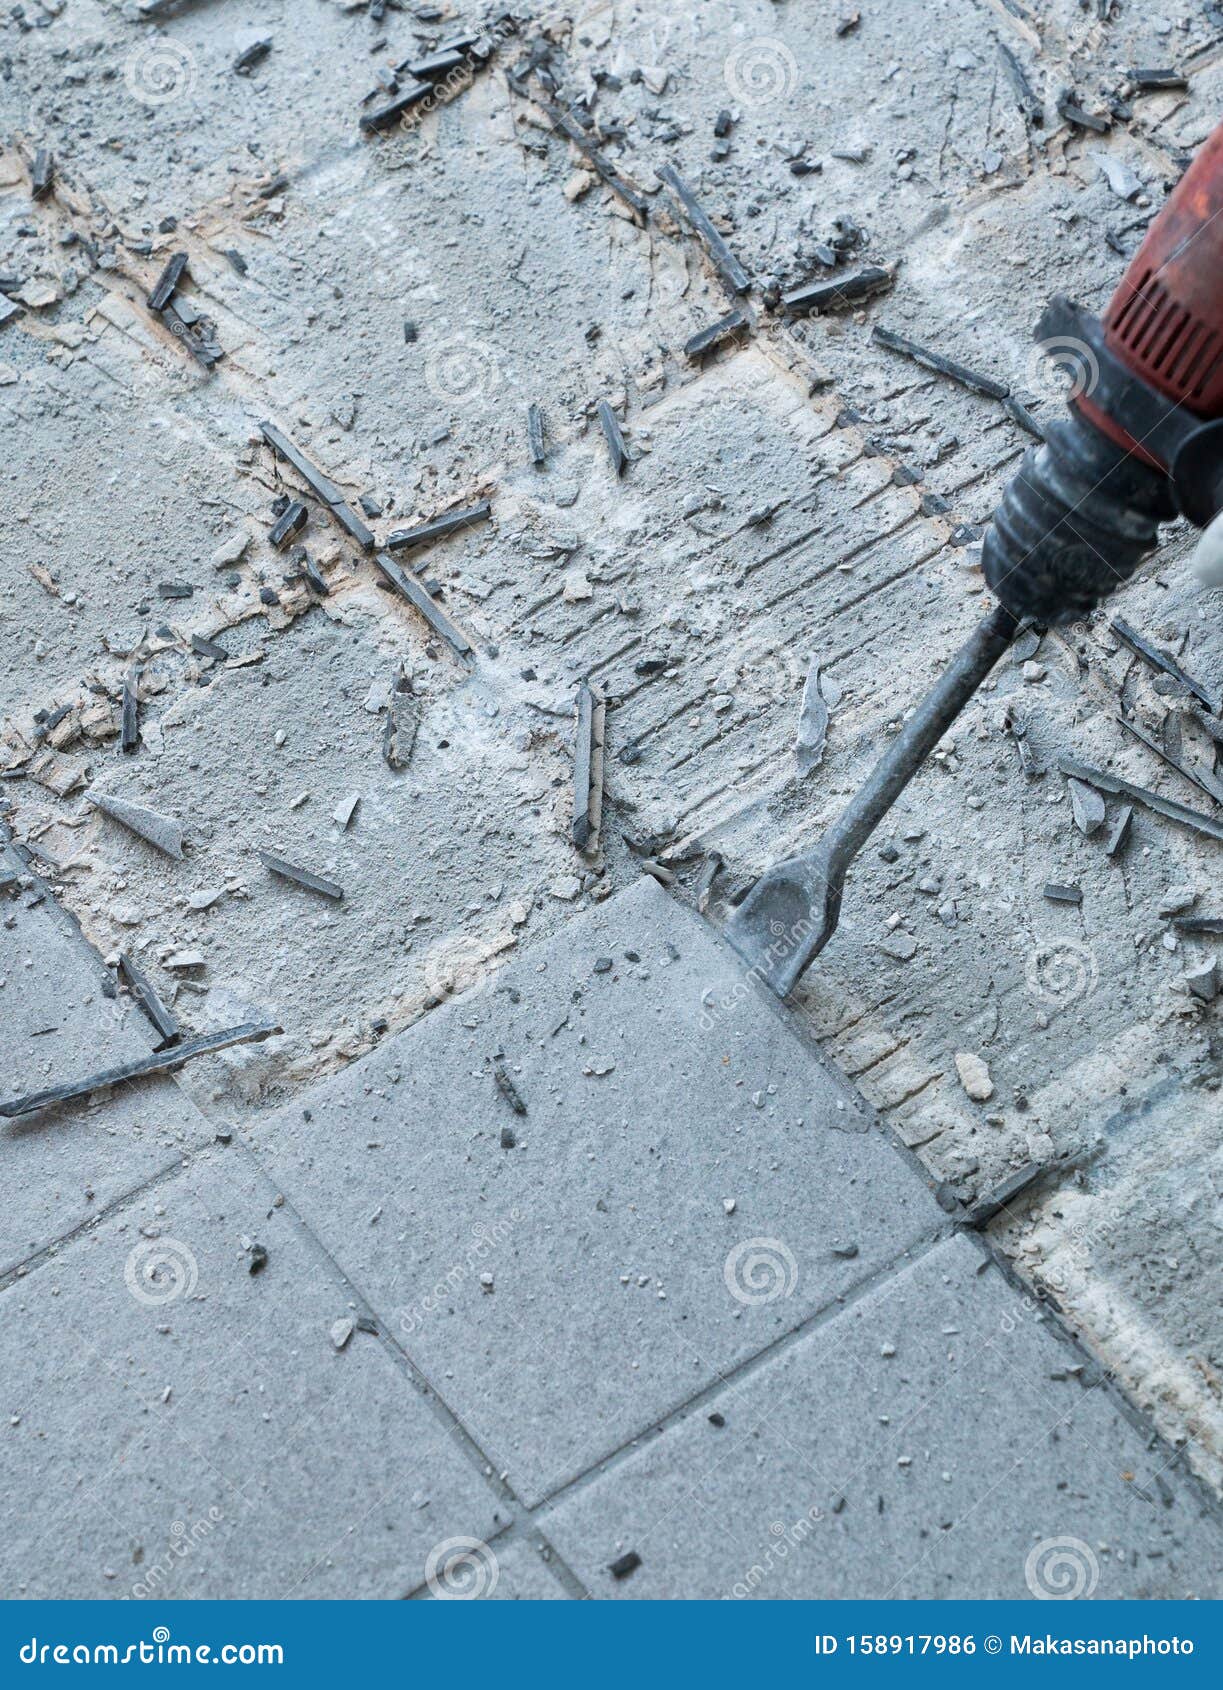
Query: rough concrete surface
393 302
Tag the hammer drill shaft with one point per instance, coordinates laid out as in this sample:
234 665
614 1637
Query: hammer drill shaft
792 911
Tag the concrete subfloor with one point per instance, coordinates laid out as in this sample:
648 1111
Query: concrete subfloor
394 303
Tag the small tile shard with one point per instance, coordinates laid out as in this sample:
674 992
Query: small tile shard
1086 806
450 522
166 284
813 722
615 439
145 994
506 1086
1120 831
835 293
204 647
625 1564
1012 1187
1058 893
204 350
129 730
160 831
301 876
1200 924
250 56
734 277
42 174
588 768
345 810
288 524
708 339
705 885
1202 981
421 600
1029 104
1123 181
383 117
535 435
1157 81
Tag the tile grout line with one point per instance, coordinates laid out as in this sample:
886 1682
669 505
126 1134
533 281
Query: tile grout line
749 1366
463 1438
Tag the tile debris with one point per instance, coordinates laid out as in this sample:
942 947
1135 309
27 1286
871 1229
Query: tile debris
319 484
615 439
423 601
535 435
403 539
588 767
708 339
161 1062
160 831
145 994
1167 807
836 292
301 876
813 722
734 277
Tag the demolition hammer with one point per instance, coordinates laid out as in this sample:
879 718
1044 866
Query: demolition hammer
1141 443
